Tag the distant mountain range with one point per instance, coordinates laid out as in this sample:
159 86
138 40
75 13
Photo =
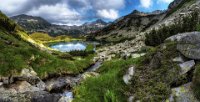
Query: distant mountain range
38 24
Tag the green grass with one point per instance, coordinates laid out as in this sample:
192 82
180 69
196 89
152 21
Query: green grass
152 83
149 84
18 51
108 87
45 38
17 55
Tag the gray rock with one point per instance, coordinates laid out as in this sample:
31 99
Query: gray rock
136 55
41 85
178 59
188 44
182 94
28 72
40 96
60 83
156 60
18 87
7 80
191 51
186 66
1 83
130 99
128 76
43 96
33 80
22 91
29 75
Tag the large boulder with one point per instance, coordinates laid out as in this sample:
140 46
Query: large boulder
22 91
188 44
182 94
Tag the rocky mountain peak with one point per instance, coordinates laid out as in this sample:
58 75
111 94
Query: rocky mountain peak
98 21
136 12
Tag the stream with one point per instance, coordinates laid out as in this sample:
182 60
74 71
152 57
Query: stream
65 84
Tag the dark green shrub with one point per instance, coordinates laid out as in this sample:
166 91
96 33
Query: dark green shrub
198 27
81 53
196 81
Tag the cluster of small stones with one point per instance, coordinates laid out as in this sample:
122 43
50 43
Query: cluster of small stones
125 49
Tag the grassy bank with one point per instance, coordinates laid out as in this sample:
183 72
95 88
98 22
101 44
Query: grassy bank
16 55
45 38
109 86
19 51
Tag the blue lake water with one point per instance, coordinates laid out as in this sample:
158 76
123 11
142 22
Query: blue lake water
69 46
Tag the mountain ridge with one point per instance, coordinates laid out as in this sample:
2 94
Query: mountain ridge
137 22
38 24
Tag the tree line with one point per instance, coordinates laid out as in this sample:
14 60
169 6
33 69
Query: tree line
187 23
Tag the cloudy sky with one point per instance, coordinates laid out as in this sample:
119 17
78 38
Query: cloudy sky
76 12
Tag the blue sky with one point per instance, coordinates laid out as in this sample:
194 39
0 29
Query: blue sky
148 7
76 12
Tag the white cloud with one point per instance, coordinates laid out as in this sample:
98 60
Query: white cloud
59 13
146 3
108 4
108 14
165 1
11 7
64 11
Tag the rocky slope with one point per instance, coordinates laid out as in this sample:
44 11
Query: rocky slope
30 23
136 22
168 72
134 39
128 26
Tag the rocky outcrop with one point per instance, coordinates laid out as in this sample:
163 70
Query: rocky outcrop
124 50
188 44
22 91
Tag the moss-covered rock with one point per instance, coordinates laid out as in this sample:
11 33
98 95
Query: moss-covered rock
183 93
